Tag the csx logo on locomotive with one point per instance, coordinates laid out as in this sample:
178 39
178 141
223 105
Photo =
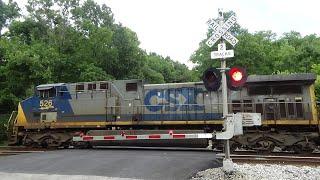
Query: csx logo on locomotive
173 100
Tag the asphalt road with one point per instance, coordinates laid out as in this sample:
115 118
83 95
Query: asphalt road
138 164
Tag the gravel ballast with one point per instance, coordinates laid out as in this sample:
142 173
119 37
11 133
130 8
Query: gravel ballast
24 176
262 171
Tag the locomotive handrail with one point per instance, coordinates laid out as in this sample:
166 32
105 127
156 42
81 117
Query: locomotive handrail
11 120
294 113
172 105
122 97
10 127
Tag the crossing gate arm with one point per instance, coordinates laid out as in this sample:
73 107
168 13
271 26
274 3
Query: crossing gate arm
233 126
143 137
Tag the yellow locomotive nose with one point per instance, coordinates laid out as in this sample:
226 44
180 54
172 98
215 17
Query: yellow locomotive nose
21 118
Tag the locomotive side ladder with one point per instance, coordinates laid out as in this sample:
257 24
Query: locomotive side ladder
12 132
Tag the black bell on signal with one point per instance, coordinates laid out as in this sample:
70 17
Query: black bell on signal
211 79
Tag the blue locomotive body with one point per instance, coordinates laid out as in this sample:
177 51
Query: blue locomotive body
117 103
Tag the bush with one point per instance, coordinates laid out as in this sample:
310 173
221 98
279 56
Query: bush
3 121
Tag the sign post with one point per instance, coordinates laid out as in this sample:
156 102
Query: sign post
220 32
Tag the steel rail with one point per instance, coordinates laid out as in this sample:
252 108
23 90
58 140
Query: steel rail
300 160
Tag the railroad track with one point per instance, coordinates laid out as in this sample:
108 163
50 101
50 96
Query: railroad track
15 150
240 156
274 159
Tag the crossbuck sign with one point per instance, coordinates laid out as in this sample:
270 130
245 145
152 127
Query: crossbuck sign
221 31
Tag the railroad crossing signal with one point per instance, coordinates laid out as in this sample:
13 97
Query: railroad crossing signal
236 78
227 36
221 31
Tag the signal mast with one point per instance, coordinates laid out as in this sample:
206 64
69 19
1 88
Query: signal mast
233 78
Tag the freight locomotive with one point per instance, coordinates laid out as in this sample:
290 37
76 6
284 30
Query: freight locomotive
57 112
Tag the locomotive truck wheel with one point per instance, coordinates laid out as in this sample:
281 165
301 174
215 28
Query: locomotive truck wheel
271 148
82 145
266 145
305 146
297 149
65 145
49 142
26 141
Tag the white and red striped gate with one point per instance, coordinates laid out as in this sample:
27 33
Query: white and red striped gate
233 126
123 136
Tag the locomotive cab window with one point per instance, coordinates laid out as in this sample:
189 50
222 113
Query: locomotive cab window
46 92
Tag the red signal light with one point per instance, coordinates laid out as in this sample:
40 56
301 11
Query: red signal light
237 77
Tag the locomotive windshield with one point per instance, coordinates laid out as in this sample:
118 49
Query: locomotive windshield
47 92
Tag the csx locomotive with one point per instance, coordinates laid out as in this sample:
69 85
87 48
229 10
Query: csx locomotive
57 112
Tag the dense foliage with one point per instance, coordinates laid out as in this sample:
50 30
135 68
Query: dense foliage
3 121
72 41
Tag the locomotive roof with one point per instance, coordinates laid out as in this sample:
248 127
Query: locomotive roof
252 79
48 86
169 84
305 77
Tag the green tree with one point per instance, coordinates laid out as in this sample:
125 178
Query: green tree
8 12
264 53
167 70
316 70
